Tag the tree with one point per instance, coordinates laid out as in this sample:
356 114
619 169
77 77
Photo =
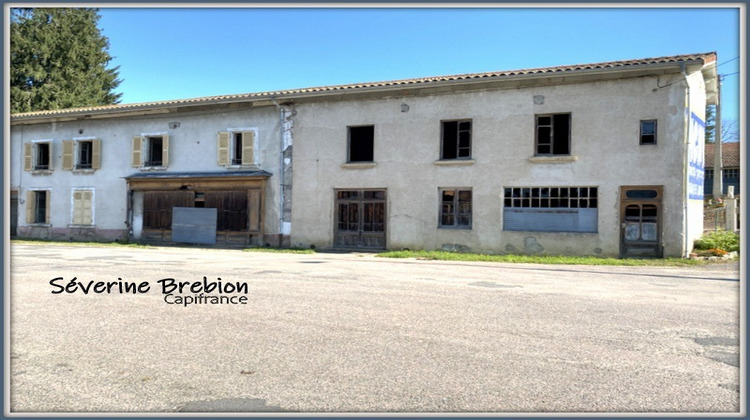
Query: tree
729 131
58 59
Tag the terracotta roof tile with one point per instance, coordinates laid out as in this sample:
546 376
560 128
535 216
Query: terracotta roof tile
705 57
730 155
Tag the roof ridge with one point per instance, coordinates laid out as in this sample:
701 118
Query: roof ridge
382 83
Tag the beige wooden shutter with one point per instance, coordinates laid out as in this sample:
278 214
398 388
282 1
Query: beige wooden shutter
137 151
165 150
222 147
51 156
82 207
77 207
47 209
28 156
248 140
30 207
67 157
96 154
254 212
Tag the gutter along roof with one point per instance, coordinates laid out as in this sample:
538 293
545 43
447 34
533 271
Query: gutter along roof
611 68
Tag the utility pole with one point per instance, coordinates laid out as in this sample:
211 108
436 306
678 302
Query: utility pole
718 169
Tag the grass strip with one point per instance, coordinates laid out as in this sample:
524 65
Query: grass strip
541 259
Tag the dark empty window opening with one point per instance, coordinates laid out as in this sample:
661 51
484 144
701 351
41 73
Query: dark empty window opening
40 209
85 154
648 132
42 156
553 134
155 145
456 141
361 143
237 149
455 208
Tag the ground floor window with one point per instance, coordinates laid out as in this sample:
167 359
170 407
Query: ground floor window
83 208
455 208
38 207
551 209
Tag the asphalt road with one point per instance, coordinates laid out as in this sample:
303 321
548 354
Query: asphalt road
357 333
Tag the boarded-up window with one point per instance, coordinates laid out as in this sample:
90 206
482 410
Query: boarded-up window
83 207
551 209
231 208
158 205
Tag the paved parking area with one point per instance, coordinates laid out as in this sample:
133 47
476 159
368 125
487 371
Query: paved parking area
357 333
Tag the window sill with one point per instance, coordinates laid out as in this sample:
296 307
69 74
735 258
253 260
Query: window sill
359 165
153 168
82 226
247 166
454 162
552 159
83 171
455 227
42 225
41 172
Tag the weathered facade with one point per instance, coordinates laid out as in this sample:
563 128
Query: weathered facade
600 159
118 172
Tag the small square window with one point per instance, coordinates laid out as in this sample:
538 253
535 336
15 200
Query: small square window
361 144
648 132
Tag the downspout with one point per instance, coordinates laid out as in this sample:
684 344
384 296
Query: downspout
686 164
282 115
718 181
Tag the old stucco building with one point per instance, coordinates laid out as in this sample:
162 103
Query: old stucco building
599 159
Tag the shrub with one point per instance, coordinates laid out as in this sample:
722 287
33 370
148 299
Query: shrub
723 240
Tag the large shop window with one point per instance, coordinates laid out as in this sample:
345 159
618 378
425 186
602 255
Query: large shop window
551 209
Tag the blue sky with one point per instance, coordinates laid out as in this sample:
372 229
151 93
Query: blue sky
171 53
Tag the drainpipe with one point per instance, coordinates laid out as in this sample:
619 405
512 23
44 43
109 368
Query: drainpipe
282 115
718 181
685 166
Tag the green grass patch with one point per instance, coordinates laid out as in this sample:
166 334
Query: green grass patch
76 243
539 259
281 250
721 240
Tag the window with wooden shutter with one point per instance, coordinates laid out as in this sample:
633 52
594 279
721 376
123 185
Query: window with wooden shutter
137 151
67 157
248 143
83 207
37 207
28 155
222 148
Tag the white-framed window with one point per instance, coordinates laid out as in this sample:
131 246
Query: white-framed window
38 155
236 147
38 207
82 154
82 207
150 150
